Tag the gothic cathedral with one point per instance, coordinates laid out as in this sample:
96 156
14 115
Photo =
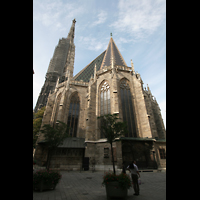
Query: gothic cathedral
105 85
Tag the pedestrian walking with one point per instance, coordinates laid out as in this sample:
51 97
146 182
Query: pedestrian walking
134 174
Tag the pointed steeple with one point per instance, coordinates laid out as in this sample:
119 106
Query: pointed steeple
72 30
60 67
112 52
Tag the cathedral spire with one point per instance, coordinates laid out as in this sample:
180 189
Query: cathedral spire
72 30
112 53
60 68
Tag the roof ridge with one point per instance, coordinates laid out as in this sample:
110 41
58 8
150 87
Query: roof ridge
105 56
119 53
112 51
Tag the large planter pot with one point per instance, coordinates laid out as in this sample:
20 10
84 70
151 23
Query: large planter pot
43 186
113 190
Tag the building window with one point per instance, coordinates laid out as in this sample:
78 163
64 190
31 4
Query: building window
104 101
127 108
162 153
57 109
73 115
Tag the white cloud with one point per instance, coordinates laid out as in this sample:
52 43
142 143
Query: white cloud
55 13
93 44
140 18
102 16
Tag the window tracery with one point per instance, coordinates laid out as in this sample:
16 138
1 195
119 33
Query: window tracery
104 101
73 115
127 107
57 109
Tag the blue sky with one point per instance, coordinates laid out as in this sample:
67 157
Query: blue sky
138 28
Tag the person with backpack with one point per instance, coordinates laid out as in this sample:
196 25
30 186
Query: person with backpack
134 174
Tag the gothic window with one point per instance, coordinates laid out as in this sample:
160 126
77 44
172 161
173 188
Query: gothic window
104 100
73 115
57 109
127 108
162 153
62 79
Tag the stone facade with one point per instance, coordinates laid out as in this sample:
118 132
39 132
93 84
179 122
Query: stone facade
149 128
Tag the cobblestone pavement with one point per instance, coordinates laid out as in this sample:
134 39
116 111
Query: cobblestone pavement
87 186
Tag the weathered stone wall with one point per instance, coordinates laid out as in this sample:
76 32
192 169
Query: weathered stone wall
67 159
160 162
101 153
148 103
158 121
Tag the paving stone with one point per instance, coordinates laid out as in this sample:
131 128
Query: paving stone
77 186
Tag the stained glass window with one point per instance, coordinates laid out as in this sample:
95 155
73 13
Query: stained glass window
104 100
73 115
127 108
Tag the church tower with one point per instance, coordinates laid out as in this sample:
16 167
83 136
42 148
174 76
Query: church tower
61 66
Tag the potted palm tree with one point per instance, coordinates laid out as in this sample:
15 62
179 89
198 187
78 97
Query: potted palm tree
116 185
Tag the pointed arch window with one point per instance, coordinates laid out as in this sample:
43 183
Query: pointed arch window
127 108
57 109
104 100
73 115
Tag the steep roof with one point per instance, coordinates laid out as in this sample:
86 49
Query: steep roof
86 73
70 142
73 142
112 51
104 59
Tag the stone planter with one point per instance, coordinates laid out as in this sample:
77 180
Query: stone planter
44 186
113 190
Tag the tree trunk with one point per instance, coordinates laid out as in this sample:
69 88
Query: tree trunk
112 158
